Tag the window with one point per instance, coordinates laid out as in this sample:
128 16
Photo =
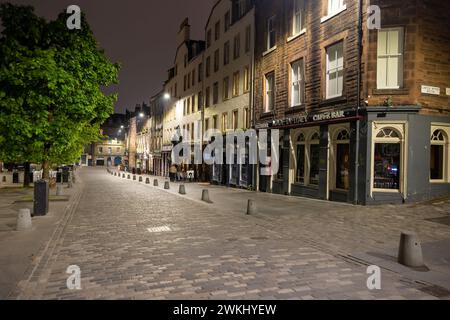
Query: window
280 173
387 159
314 159
184 107
200 100
226 53
270 92
216 60
192 132
217 31
297 83
335 71
207 97
299 17
237 46
248 38
207 124
247 118
271 35
235 119
246 79
300 157
188 105
236 84
215 122
208 38
216 93
188 80
100 150
227 21
438 155
200 72
335 6
226 88
193 77
390 59
208 67
193 104
184 82
224 121
118 149
343 160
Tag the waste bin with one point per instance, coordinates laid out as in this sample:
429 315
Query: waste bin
31 177
41 198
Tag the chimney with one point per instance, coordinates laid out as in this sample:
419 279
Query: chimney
184 34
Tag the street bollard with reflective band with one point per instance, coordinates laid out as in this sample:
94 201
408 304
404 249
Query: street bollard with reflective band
24 220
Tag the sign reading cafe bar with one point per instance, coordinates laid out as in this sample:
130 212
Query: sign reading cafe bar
308 118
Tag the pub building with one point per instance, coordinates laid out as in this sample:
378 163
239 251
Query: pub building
363 113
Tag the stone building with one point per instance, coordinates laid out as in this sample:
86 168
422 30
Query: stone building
362 112
156 128
228 60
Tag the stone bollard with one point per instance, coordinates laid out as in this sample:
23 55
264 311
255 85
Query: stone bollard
205 196
134 178
155 183
147 181
251 207
115 174
410 251
167 185
123 175
59 190
182 189
24 220
129 177
140 179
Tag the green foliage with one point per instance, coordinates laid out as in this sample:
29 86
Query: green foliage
51 81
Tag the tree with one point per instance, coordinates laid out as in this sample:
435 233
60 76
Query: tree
51 81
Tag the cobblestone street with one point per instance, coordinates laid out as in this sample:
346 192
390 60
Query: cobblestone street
135 241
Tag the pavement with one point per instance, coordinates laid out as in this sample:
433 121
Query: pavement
135 241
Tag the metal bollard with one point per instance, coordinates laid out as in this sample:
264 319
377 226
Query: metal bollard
205 196
167 185
410 251
24 220
182 189
251 207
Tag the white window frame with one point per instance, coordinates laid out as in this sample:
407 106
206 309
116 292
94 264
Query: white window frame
388 56
445 144
402 129
298 18
336 70
268 93
271 29
298 66
334 8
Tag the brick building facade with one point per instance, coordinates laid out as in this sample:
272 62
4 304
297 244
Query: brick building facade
336 88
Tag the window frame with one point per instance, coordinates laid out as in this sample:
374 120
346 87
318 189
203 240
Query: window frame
300 82
388 56
445 161
271 30
336 70
267 107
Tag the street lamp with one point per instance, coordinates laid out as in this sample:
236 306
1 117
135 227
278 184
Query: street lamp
167 96
141 115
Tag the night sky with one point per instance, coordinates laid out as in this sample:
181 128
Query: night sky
140 34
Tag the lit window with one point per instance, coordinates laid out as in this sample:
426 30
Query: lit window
301 156
387 159
390 59
247 79
343 160
314 159
270 92
298 83
335 71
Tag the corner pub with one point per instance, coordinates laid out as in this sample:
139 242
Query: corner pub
363 114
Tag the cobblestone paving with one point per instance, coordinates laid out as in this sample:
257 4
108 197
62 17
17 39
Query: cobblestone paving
207 254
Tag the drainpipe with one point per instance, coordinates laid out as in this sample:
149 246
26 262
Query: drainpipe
358 97
255 170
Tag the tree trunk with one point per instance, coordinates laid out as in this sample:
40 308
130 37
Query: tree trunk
45 170
26 176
